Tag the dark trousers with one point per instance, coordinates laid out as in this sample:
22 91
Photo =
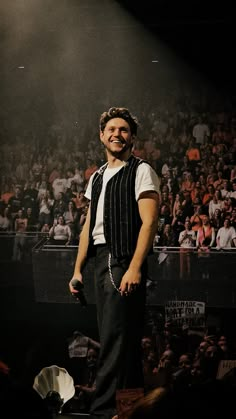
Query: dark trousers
120 324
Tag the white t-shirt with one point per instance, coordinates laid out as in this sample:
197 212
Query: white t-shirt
146 180
59 185
200 131
186 241
226 235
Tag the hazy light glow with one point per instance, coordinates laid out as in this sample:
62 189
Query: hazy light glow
77 63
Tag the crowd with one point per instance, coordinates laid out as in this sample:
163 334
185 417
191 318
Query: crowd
181 364
43 185
175 359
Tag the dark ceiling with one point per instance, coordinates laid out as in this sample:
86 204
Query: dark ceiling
166 12
202 32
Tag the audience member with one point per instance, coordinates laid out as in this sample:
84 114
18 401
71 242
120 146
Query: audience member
60 233
20 228
226 236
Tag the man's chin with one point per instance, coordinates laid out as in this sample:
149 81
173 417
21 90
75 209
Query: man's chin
119 153
116 154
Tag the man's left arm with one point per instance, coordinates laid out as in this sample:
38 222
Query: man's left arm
148 204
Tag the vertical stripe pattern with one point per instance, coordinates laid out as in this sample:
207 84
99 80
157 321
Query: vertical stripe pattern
121 216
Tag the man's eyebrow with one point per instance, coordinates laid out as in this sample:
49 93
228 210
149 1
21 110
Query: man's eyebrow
118 126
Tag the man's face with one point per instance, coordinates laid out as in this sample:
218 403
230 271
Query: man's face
91 358
226 223
117 137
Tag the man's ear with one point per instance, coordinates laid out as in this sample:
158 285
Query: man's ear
101 134
101 137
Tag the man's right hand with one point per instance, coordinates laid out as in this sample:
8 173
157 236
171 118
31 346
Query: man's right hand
77 277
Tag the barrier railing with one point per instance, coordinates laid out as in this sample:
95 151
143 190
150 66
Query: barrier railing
174 272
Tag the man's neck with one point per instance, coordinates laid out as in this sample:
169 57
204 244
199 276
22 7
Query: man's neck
117 161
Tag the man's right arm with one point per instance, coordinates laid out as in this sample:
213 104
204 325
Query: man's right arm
82 252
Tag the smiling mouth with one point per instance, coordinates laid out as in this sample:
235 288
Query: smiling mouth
117 142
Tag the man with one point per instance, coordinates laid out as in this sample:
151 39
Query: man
226 236
187 239
120 227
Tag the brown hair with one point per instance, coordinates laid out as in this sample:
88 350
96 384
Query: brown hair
123 113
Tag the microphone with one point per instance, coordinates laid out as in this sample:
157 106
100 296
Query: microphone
77 285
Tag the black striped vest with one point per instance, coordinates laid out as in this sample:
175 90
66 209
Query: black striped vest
121 216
